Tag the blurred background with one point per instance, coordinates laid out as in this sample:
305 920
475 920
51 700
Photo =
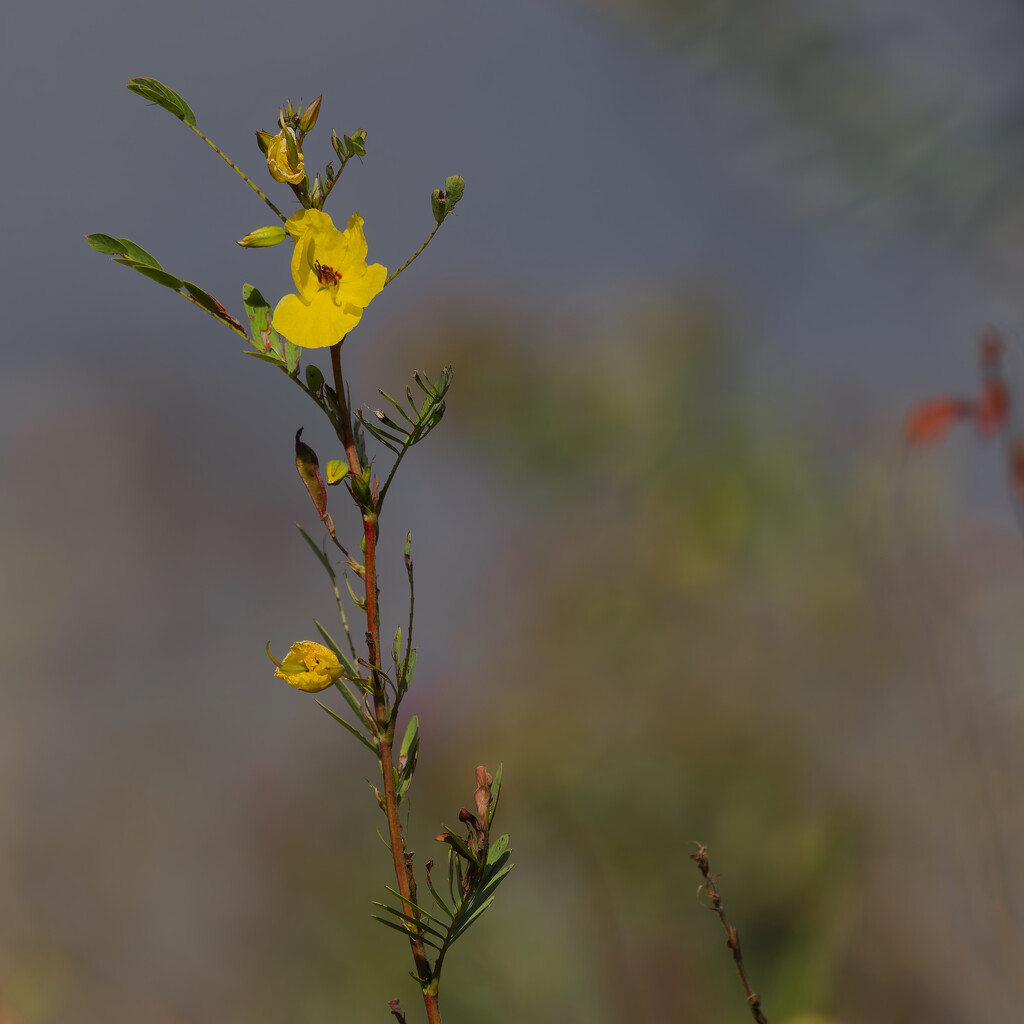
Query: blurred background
673 569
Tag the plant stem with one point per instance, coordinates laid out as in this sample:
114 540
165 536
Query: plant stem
238 170
385 719
413 256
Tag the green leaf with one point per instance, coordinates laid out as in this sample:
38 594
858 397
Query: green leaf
339 654
440 902
160 276
460 844
454 185
426 913
352 729
396 646
319 554
408 669
495 793
158 93
264 337
207 302
404 931
106 244
483 895
138 254
266 358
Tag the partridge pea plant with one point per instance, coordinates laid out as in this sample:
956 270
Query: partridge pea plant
334 283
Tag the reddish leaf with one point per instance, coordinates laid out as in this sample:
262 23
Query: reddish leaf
991 351
993 407
931 420
1017 468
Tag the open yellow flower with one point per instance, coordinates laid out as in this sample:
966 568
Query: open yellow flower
308 666
279 162
333 280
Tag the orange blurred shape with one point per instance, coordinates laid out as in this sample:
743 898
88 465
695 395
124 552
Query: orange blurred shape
1017 467
931 420
993 407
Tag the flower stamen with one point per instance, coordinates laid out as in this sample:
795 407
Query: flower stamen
326 275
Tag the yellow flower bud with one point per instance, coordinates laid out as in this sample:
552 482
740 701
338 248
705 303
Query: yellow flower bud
308 666
262 237
284 158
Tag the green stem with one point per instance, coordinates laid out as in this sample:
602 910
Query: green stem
413 256
238 170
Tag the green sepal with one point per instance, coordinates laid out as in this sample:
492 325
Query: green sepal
336 470
158 93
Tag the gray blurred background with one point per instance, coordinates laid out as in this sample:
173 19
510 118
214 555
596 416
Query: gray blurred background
673 570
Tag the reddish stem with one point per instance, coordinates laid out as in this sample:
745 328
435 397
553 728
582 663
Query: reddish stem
385 725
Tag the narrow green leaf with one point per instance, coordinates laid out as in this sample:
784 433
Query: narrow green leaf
352 729
160 276
396 645
426 913
138 254
440 902
408 669
495 793
418 925
319 554
329 640
158 93
266 358
460 844
401 411
207 302
404 931
359 602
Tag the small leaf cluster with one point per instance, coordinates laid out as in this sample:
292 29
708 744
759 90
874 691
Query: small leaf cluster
476 867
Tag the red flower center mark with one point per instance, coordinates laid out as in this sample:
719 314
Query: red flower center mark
326 275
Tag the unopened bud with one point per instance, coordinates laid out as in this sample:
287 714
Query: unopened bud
309 115
284 158
308 466
263 237
314 378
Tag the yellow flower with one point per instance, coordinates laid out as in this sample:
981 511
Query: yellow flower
279 161
332 278
308 666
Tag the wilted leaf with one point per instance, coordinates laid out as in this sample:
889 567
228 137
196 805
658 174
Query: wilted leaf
932 419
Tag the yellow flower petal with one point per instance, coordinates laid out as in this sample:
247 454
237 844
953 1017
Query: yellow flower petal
316 325
309 666
333 281
279 162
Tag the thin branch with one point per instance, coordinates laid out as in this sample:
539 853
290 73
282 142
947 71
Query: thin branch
238 170
733 941
413 256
